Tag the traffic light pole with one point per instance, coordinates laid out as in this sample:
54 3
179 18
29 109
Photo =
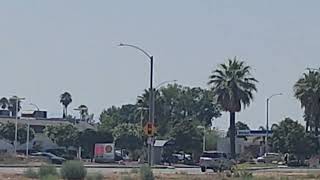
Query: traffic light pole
151 99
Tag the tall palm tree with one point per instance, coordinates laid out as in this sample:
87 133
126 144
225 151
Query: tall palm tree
233 87
4 103
13 105
65 100
83 109
307 91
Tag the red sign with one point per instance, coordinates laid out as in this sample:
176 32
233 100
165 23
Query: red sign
108 149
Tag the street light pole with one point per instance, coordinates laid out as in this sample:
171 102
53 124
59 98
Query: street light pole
267 125
16 124
151 99
28 136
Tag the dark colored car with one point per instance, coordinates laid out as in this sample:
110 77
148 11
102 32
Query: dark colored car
51 157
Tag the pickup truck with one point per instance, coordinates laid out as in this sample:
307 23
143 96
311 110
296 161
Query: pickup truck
215 160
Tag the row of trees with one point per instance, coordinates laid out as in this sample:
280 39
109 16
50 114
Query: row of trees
7 132
179 111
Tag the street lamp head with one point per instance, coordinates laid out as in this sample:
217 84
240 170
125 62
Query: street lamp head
200 127
121 44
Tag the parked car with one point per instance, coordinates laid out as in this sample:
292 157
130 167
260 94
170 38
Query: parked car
120 155
51 157
215 160
270 157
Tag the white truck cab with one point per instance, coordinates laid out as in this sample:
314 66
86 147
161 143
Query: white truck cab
215 160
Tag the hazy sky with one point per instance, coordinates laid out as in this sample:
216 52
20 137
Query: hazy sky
48 47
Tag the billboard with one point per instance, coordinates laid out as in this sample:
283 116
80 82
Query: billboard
104 152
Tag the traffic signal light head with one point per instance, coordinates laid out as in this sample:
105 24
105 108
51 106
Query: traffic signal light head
149 129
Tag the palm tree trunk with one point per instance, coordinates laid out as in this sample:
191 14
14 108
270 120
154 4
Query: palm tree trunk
232 130
64 112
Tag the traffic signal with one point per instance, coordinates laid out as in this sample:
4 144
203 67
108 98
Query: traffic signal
150 129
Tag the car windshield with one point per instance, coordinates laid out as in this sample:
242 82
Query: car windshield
212 155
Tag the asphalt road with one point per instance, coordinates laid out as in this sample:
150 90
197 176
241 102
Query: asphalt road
108 171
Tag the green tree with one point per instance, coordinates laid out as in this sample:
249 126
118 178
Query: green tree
307 91
187 137
233 86
63 135
128 136
212 137
4 103
65 100
239 126
289 137
109 119
7 132
178 103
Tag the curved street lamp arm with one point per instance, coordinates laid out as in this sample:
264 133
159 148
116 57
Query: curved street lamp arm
35 106
136 47
278 94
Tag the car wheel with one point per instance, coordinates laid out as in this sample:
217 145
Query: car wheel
203 169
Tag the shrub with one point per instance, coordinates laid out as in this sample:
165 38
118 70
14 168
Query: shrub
72 170
30 173
146 173
94 176
46 170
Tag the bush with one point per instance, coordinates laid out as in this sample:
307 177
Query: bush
30 173
46 170
245 175
72 170
146 173
94 176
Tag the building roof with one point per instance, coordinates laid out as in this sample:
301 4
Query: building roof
48 122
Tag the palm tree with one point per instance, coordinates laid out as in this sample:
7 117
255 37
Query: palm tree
307 91
83 109
13 105
4 103
65 100
233 87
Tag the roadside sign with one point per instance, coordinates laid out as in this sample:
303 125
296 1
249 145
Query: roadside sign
104 152
149 129
150 140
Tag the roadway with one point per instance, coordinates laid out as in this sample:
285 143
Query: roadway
109 171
